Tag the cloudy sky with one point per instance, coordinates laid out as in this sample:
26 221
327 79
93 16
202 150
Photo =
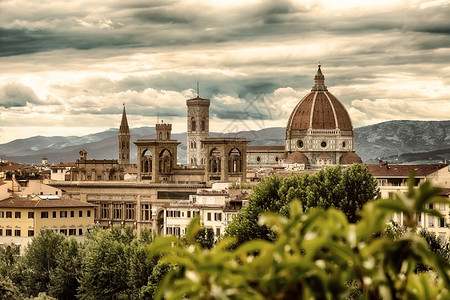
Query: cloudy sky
67 67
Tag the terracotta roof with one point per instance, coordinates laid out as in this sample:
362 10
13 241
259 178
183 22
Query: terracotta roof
16 202
319 110
297 158
350 158
265 148
11 166
386 169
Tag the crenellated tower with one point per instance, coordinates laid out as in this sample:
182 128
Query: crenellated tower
124 140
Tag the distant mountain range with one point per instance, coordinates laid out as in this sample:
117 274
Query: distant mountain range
393 141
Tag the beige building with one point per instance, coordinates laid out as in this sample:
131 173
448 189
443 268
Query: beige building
96 169
22 217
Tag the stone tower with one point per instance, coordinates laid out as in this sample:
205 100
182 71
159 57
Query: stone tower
163 131
124 140
197 128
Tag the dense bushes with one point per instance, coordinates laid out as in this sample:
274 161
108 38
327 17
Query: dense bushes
346 189
317 255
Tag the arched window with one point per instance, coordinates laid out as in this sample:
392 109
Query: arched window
214 161
234 161
160 135
167 136
203 125
146 161
193 125
165 161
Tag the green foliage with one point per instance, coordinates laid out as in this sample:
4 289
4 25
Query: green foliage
104 265
114 265
239 186
317 255
205 237
346 189
8 291
8 258
435 244
263 198
63 279
42 296
140 268
158 273
35 267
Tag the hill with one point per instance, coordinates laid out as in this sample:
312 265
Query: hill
395 141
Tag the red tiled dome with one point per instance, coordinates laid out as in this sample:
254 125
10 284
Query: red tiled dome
319 110
350 158
296 158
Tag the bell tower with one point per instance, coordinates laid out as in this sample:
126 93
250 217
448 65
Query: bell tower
124 140
197 129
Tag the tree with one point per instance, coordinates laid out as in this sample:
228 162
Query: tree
63 279
8 291
8 258
205 237
264 198
346 189
317 255
435 244
140 268
104 269
38 263
114 265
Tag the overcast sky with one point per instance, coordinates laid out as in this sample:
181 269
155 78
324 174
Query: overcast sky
67 67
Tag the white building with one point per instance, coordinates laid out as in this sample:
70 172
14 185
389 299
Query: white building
393 179
61 172
216 207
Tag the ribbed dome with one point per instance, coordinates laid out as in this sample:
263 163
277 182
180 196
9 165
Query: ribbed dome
319 110
350 158
296 158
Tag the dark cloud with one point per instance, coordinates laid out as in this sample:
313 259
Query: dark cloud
25 41
178 24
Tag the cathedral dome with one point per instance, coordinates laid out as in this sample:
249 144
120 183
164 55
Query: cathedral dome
350 158
320 110
296 158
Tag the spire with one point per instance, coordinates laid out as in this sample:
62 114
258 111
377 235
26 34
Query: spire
319 80
124 123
